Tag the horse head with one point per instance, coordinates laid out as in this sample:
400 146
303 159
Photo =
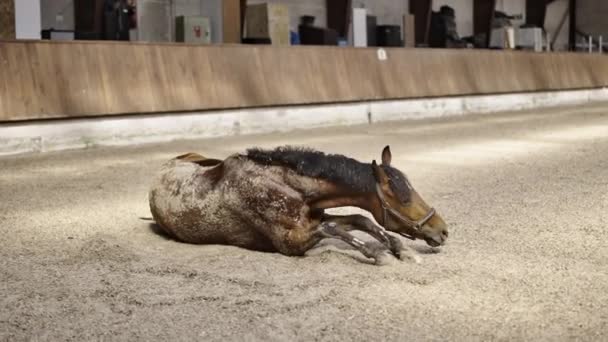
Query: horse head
401 209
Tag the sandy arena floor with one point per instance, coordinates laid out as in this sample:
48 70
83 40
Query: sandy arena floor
526 195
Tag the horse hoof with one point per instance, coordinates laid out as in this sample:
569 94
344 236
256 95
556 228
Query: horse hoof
408 255
384 258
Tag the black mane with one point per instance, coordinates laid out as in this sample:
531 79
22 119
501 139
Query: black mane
335 168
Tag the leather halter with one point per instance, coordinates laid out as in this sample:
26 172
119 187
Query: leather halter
416 226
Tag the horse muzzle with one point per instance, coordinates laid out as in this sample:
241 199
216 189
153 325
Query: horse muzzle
432 236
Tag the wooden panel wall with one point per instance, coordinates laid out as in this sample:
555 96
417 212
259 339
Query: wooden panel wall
7 19
77 79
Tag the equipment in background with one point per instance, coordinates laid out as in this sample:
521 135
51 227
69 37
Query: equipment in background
372 24
268 22
117 19
311 35
443 33
388 35
53 34
193 30
260 41
506 36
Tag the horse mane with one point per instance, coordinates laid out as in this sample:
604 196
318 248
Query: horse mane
335 168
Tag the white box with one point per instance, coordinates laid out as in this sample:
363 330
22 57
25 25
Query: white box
523 38
62 35
503 38
530 38
193 30
359 27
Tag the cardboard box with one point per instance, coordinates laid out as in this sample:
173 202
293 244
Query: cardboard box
231 21
409 30
268 21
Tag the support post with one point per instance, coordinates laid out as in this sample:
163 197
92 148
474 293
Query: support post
536 11
7 20
338 16
483 15
422 9
572 29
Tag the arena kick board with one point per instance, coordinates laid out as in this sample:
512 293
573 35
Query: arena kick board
40 80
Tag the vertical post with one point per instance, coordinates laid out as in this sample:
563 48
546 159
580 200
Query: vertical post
601 44
88 19
243 5
536 11
338 16
7 19
572 29
590 44
483 15
421 9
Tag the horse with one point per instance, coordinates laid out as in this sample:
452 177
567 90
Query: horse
275 200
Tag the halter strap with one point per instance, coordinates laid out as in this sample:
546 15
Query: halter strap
414 225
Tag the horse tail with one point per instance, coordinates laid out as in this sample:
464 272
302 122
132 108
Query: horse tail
198 159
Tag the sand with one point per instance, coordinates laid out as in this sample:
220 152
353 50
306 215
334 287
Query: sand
525 194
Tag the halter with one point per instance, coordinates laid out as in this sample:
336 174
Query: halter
414 225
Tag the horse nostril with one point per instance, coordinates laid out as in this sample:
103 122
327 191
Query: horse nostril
445 233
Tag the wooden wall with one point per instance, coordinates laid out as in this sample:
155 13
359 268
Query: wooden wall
40 80
7 19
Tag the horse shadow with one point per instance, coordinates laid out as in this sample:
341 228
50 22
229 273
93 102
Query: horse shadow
156 229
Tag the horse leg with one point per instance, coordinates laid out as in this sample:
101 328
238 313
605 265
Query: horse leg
364 224
335 231
297 240
296 237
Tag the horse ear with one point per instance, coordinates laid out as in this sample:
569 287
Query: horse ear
386 156
379 174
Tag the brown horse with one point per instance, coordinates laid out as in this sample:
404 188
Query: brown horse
274 200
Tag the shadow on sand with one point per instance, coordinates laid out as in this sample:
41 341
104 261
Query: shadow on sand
156 229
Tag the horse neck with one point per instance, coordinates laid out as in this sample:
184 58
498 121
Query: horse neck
335 196
325 194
